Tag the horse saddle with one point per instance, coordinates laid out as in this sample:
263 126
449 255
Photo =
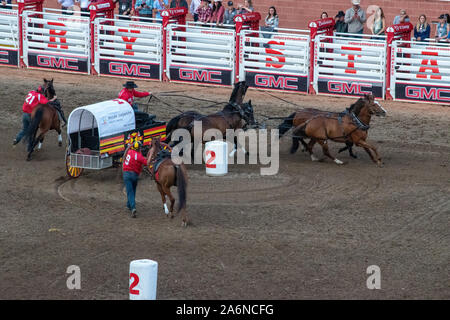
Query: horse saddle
160 157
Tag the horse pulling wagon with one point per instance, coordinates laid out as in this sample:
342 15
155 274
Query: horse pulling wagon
98 134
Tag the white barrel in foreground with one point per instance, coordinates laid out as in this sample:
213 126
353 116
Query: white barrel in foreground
143 279
216 158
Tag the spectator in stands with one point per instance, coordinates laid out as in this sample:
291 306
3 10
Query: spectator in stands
422 29
442 29
270 22
379 24
66 6
193 9
218 11
324 15
402 18
229 13
340 26
159 6
125 8
355 17
144 8
179 4
4 4
84 7
204 12
247 7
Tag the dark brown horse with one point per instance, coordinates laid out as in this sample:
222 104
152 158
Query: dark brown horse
167 174
185 119
346 128
44 117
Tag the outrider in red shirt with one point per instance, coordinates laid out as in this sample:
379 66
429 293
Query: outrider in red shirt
133 161
128 95
32 100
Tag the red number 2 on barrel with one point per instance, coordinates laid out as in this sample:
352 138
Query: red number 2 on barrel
213 157
134 283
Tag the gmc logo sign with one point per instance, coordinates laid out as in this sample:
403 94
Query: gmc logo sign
138 70
424 93
274 81
349 88
344 88
66 63
200 75
57 62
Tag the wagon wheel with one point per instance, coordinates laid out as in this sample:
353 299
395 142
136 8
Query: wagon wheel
72 172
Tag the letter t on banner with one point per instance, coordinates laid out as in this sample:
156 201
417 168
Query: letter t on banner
143 279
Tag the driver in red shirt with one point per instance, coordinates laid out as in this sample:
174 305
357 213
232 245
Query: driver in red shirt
128 93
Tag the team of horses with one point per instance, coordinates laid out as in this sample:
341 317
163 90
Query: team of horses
349 127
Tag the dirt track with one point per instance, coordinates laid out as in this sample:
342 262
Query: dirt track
309 232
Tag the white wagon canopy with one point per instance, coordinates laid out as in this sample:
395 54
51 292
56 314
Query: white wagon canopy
108 117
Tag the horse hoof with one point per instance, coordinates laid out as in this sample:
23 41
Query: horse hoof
28 158
313 158
184 224
354 156
60 144
337 161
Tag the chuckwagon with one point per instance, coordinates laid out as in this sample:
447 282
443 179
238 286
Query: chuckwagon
98 134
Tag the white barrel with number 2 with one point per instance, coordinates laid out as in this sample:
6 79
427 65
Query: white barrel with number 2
216 158
143 279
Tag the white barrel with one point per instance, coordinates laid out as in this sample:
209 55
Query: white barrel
143 279
216 158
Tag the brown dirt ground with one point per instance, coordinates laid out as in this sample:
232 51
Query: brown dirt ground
309 232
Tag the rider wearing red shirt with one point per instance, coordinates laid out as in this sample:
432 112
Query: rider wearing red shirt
132 167
33 99
128 93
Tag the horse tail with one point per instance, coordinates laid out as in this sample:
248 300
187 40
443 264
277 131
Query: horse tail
286 125
30 134
181 186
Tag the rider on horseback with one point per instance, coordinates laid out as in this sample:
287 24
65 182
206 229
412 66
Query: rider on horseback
128 93
33 99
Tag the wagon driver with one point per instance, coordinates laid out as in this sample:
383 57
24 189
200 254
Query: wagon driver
128 93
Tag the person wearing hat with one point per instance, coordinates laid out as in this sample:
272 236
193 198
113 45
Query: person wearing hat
402 18
230 12
132 167
204 11
128 93
340 25
355 17
442 29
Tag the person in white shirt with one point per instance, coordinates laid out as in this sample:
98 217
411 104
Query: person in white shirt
193 9
66 5
84 7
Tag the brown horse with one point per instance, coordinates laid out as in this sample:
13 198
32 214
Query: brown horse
168 174
185 119
346 128
44 117
301 116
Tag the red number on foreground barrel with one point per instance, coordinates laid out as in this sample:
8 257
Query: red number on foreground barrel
213 157
134 283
